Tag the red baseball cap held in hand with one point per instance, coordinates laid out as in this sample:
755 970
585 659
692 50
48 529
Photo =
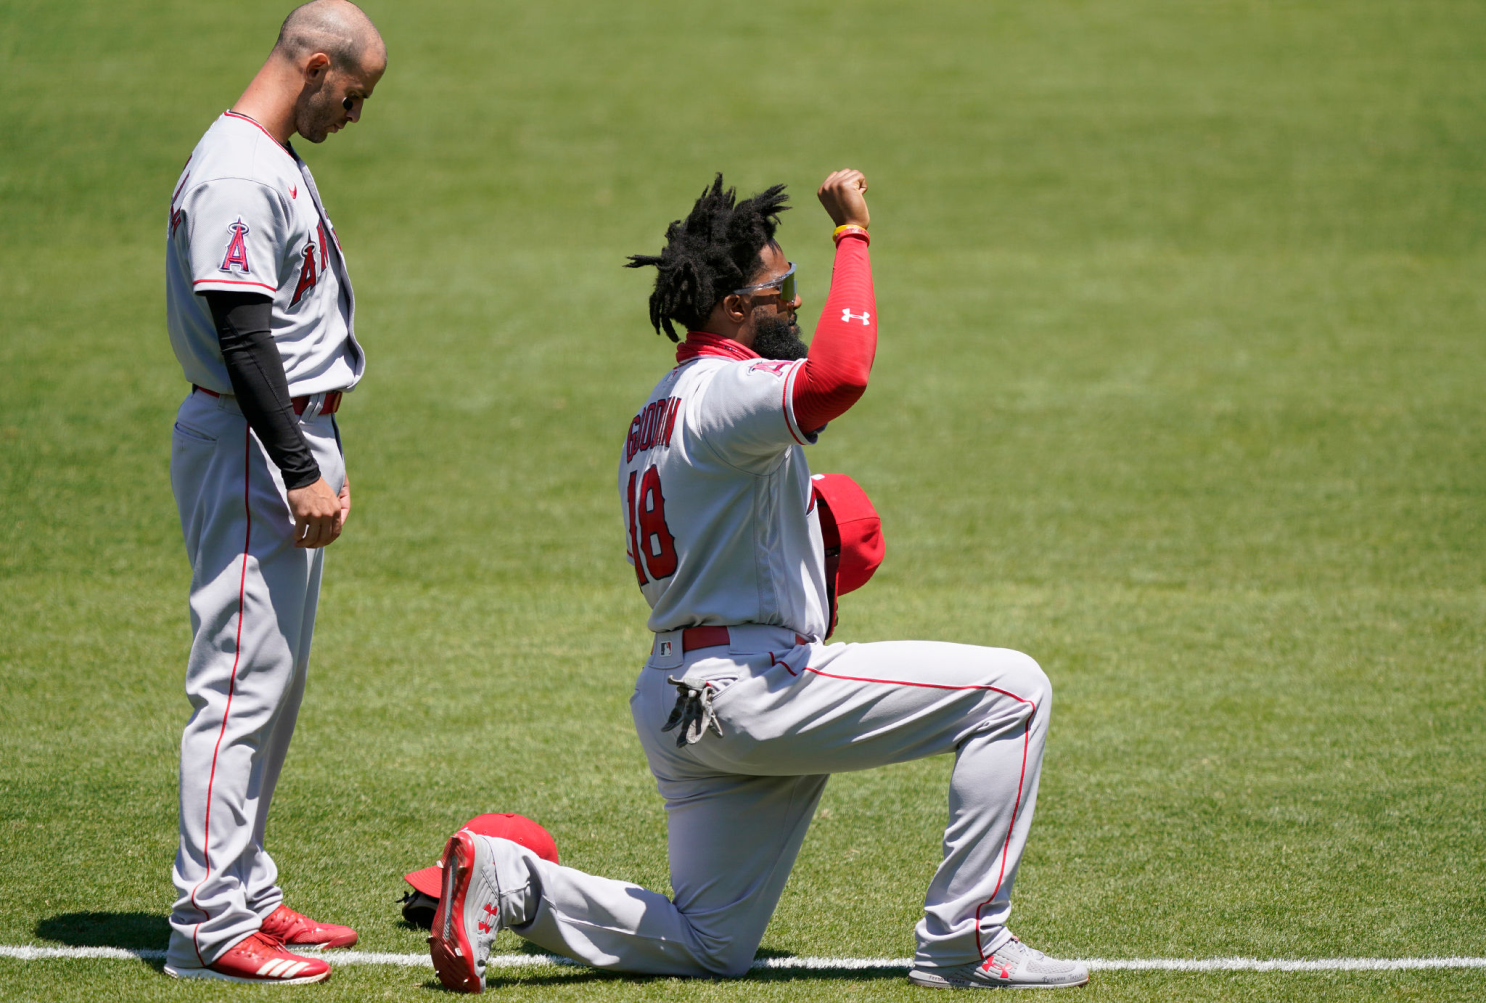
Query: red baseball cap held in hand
501 825
851 530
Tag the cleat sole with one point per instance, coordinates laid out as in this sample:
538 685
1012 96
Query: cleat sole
450 946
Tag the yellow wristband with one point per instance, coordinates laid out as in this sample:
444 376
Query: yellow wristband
846 228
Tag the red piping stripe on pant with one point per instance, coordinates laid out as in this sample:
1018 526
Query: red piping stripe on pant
1021 780
206 836
1005 849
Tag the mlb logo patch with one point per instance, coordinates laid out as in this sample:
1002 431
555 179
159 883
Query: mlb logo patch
665 648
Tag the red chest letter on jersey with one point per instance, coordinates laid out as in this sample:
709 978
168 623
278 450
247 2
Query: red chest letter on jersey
176 215
307 276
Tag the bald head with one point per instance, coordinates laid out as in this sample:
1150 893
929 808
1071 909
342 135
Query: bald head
339 29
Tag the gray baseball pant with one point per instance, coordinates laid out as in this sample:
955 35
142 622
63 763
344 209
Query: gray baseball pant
738 805
253 596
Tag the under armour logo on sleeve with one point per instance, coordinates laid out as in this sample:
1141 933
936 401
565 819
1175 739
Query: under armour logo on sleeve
847 316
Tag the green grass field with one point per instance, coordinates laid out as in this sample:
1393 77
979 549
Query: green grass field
1179 390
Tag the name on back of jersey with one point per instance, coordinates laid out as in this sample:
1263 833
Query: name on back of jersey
652 426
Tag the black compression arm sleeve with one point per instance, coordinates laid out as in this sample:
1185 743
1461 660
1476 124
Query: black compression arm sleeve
257 373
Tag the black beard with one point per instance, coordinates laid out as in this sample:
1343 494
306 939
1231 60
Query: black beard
777 338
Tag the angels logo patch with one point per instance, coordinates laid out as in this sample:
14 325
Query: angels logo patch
237 248
772 366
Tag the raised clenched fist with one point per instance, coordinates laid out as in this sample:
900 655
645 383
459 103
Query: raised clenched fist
843 193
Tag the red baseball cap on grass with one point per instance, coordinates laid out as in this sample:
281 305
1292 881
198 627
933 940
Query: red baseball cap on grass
501 825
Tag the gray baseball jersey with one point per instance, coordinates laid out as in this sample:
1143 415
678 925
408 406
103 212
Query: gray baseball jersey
717 499
246 217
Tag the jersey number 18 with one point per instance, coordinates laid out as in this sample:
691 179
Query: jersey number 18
647 528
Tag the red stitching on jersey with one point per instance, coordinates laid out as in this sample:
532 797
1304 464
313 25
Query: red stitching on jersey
206 836
784 404
1021 780
232 114
235 282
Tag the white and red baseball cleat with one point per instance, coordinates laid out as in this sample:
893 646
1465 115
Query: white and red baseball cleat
468 917
1013 965
299 930
258 958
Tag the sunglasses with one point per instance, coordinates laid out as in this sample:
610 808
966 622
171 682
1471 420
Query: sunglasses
784 283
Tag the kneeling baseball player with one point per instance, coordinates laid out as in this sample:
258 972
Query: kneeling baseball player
743 709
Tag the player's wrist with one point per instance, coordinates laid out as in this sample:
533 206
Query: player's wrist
303 477
851 230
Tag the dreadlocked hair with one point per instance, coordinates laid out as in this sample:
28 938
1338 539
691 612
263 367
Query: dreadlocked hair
710 253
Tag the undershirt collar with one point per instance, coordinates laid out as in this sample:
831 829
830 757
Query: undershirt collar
702 343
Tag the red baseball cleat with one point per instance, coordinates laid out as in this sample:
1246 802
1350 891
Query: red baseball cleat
299 930
258 958
468 917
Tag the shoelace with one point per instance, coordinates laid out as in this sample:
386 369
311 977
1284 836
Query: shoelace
693 712
297 923
266 946
1002 964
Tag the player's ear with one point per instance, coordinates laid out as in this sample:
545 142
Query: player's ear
315 67
734 308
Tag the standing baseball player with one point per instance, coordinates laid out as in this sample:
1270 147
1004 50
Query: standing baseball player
260 312
726 543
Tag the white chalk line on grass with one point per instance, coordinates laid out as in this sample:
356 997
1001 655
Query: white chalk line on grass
29 953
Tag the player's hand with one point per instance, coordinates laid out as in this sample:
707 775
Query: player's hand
843 194
317 514
345 500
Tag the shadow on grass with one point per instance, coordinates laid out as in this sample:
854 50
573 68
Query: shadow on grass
132 931
575 976
580 975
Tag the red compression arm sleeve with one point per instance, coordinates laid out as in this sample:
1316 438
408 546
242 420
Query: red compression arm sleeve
834 376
